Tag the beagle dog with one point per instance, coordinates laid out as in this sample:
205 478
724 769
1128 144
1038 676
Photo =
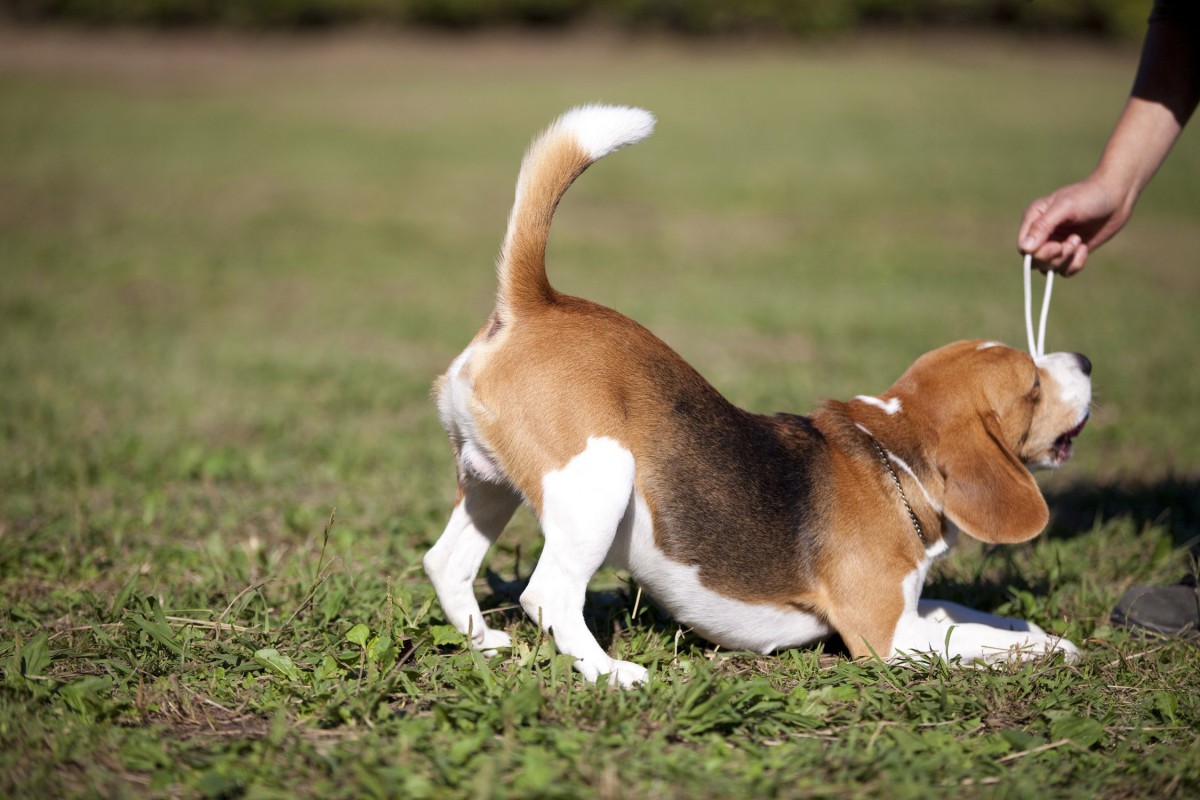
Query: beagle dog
759 532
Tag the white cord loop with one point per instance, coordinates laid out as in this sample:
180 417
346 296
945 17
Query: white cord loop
1037 347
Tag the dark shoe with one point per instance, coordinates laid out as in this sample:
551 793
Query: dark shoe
1171 610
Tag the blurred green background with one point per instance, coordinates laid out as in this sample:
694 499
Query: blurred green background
691 17
232 263
268 247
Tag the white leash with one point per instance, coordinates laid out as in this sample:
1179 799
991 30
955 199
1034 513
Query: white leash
1036 348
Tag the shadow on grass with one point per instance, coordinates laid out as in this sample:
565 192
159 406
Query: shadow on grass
605 611
1171 502
609 613
1079 509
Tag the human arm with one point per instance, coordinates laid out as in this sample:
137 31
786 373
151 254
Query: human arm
1063 228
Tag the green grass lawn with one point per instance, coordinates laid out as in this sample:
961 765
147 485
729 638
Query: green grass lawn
230 270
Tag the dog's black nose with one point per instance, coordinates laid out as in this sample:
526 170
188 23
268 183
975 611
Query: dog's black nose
1085 363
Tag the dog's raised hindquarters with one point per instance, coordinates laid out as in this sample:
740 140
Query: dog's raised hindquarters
759 532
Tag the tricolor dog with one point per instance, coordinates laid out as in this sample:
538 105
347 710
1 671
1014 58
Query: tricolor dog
759 532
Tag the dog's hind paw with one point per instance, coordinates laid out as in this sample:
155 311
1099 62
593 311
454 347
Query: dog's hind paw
625 674
491 641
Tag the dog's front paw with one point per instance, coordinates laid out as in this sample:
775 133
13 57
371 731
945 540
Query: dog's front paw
1047 645
625 674
1066 647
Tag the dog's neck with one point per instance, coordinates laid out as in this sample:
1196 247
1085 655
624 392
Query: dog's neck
883 422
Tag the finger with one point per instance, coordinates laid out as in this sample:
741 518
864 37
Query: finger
1077 261
1044 225
1044 257
1067 253
1035 209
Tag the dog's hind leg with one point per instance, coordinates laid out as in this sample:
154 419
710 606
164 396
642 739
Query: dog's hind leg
454 561
582 506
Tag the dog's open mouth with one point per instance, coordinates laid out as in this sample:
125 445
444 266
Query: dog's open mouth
1063 446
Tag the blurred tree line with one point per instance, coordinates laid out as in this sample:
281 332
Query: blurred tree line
692 17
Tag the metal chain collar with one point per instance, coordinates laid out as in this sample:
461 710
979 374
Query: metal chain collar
896 480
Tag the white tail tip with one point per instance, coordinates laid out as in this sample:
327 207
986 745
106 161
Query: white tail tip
601 129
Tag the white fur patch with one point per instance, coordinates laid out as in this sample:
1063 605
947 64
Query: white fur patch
454 411
722 620
1075 387
936 550
989 345
952 631
898 461
601 129
454 561
889 407
582 507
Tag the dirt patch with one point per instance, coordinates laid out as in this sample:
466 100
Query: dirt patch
194 721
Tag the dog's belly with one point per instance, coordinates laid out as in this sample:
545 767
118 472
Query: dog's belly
722 620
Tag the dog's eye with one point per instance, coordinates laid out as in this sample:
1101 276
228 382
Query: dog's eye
1035 393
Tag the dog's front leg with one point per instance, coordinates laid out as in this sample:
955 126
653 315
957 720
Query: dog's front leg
951 630
582 505
956 614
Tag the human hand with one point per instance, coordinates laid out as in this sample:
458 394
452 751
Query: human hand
1063 228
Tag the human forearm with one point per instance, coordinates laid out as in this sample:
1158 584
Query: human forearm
1164 96
1061 229
1140 142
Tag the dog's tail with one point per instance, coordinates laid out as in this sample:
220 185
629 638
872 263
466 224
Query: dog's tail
556 158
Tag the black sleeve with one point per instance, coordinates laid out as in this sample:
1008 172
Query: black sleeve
1184 11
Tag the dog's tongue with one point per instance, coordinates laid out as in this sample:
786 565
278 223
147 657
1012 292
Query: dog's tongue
1063 446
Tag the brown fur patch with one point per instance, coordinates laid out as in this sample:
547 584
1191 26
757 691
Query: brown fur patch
550 167
871 545
975 411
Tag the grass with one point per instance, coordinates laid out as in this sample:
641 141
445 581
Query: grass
231 269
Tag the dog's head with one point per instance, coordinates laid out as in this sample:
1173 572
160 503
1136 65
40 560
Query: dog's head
995 413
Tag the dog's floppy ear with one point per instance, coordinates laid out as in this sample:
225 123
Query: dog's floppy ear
989 493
